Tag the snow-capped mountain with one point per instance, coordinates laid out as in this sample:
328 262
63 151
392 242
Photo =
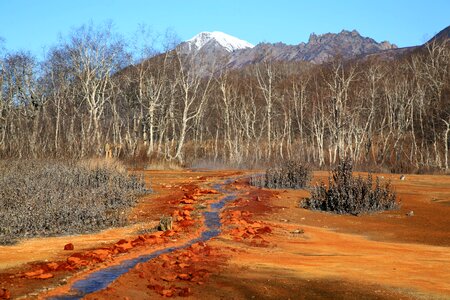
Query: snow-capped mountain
211 52
228 42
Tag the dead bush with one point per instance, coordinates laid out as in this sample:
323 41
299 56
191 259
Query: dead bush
346 194
46 198
289 174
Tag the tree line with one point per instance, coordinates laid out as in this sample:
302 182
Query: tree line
88 95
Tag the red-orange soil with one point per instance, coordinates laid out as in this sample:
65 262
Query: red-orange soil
269 248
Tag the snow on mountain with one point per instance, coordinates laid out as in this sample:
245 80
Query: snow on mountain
230 43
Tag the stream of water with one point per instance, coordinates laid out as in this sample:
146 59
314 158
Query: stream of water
102 278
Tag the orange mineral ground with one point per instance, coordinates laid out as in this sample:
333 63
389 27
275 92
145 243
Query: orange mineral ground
268 247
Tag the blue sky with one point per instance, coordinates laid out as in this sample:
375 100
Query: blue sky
34 24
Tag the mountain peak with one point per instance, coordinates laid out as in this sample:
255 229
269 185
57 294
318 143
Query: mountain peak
230 43
327 36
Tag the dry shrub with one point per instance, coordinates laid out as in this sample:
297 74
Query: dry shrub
46 198
289 174
346 194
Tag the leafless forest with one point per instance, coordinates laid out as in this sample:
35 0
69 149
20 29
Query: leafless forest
86 97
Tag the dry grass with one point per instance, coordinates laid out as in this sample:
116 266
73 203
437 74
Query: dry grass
163 165
110 164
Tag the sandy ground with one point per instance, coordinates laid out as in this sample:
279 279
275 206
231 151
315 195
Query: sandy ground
269 248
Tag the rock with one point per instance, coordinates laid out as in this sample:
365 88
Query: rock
235 231
53 266
183 276
73 261
198 246
34 273
167 293
188 196
164 257
256 225
69 247
235 214
154 241
245 235
124 247
298 231
265 229
156 234
250 231
402 177
137 242
5 294
168 278
188 207
187 223
45 276
187 201
244 223
410 214
183 265
101 254
160 240
169 233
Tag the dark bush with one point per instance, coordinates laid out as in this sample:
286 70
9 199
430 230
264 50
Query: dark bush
346 194
44 198
289 174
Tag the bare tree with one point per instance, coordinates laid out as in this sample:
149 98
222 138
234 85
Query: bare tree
193 90
94 55
265 74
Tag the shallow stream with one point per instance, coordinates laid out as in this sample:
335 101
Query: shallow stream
102 278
